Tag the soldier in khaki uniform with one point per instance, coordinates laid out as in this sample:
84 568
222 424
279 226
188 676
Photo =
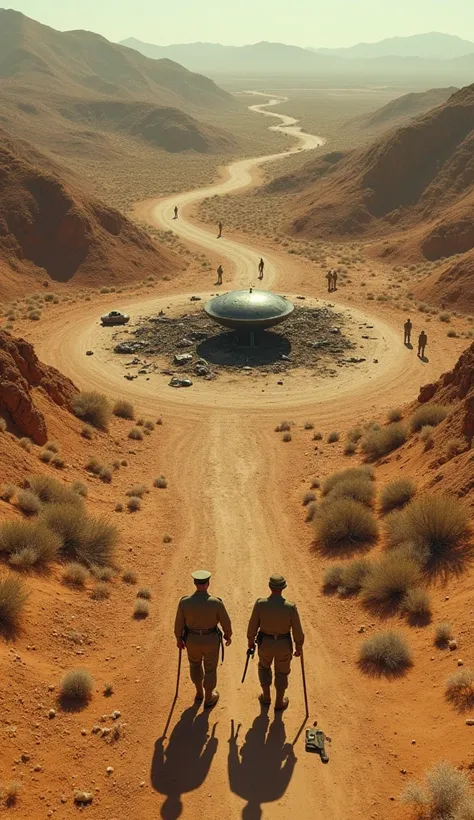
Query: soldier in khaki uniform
272 623
196 629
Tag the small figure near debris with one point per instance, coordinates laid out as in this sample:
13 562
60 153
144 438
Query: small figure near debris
334 280
219 225
220 273
271 625
422 342
175 212
407 328
261 266
196 630
329 278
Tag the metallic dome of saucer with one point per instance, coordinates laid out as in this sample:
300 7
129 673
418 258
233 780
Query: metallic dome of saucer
249 310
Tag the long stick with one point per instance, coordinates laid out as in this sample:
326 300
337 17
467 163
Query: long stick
178 676
304 686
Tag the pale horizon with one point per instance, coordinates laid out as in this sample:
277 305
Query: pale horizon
342 24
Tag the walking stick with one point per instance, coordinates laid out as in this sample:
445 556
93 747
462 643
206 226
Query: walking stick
304 686
175 694
250 654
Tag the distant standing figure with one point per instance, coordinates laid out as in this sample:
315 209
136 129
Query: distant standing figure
261 266
220 273
219 225
422 342
329 278
334 280
407 332
175 211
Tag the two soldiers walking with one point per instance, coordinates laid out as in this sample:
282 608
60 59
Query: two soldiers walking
422 338
273 622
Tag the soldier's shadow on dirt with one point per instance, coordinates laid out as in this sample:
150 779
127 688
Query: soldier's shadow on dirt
183 764
261 769
228 349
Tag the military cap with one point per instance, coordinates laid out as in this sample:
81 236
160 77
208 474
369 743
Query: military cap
277 582
201 576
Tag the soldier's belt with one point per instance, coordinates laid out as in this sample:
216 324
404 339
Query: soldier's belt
276 637
201 631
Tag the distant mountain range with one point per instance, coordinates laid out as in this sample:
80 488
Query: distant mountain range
431 46
438 56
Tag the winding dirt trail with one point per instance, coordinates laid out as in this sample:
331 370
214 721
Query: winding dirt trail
227 474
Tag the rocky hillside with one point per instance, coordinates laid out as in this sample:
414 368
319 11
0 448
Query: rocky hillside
21 374
58 88
51 227
399 111
456 387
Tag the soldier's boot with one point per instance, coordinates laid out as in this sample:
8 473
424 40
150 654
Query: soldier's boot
199 693
265 698
281 702
211 696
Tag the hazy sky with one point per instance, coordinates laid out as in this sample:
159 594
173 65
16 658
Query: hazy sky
235 22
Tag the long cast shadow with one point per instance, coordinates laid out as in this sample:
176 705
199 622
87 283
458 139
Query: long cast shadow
184 763
261 770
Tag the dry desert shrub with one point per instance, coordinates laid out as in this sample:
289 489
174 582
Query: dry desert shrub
76 687
454 446
137 491
141 609
460 689
46 456
118 507
129 577
94 465
9 792
134 504
308 498
7 492
106 474
357 487
28 544
100 591
317 436
436 528
13 597
74 574
345 525
50 490
167 539
428 414
385 654
377 443
93 407
332 577
397 494
443 634
87 432
54 446
26 444
58 462
417 606
308 425
355 434
365 473
333 437
315 483
28 502
124 409
145 593
135 434
446 795
394 414
283 427
102 573
350 448
80 488
83 538
148 425
388 581
286 437
354 574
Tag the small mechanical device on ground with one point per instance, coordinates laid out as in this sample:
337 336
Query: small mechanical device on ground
315 740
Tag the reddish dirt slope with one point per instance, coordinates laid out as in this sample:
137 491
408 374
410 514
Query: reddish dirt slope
50 227
20 373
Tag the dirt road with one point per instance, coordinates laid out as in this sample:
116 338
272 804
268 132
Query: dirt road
229 476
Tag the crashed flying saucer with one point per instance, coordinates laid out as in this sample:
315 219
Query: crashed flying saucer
249 310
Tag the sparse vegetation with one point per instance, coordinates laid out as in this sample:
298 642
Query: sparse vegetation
332 577
100 591
54 446
453 447
83 538
317 436
447 794
286 437
102 573
460 689
397 494
75 574
141 609
167 539
28 502
148 425
428 414
28 544
134 504
49 490
145 593
308 498
315 483
106 474
13 597
350 448
283 427
9 793
7 492
355 434
129 577
436 528
443 633
118 507
389 580
354 574
93 407
377 443
94 465
137 491
160 482
308 425
364 473
46 456
136 434
394 414
333 437
124 409
76 686
87 432
385 654
358 487
80 488
26 444
417 606
58 462
345 525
